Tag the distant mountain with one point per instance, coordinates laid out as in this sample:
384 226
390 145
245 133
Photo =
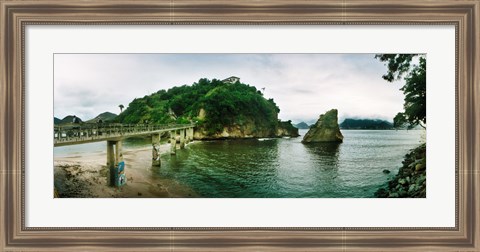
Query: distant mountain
365 124
104 117
56 121
69 119
302 125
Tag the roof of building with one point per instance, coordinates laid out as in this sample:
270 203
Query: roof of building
232 77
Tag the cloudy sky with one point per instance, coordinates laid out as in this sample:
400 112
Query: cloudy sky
303 85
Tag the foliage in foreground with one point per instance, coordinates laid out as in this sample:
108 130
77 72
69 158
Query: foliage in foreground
415 88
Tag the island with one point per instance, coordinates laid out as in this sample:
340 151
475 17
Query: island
221 109
369 124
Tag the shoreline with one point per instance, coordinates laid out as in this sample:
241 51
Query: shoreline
86 176
410 181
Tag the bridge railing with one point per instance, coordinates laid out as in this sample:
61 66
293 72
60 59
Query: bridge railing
74 131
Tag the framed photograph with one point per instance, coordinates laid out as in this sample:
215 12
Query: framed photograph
272 125
237 125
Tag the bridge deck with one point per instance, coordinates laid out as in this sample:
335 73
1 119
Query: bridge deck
87 133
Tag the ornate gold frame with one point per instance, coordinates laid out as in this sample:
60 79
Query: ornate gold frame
15 15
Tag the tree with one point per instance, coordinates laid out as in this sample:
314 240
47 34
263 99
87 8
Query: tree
121 107
415 102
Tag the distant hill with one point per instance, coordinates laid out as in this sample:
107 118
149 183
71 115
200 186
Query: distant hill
302 125
56 121
69 119
365 124
105 117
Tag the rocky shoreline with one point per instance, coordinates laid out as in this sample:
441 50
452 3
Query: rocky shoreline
411 179
247 131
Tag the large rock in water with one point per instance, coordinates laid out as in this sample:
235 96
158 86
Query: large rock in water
326 129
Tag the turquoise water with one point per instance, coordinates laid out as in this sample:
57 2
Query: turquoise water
283 168
286 168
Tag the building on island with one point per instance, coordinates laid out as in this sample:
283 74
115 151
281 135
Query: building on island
231 79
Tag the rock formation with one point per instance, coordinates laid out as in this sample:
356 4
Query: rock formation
249 129
286 129
326 129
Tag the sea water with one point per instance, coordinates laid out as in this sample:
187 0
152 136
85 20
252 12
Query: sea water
280 167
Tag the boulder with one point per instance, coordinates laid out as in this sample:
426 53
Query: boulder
326 129
420 166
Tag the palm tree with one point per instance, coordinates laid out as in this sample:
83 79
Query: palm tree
121 107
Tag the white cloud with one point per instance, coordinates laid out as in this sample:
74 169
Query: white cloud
302 85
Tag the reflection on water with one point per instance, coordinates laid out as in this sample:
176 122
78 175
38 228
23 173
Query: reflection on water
221 168
326 154
286 168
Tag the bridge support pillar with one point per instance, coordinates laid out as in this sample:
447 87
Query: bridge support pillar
114 158
156 150
187 135
182 138
173 142
190 134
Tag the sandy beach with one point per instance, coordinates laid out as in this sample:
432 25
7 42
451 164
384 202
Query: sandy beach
86 176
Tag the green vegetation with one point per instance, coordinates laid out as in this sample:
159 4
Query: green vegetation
213 104
415 89
365 124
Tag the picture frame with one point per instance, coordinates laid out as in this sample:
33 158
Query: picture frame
16 15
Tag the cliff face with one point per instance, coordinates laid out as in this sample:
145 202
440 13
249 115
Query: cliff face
247 130
286 129
326 129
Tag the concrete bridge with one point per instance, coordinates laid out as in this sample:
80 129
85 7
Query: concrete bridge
114 134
